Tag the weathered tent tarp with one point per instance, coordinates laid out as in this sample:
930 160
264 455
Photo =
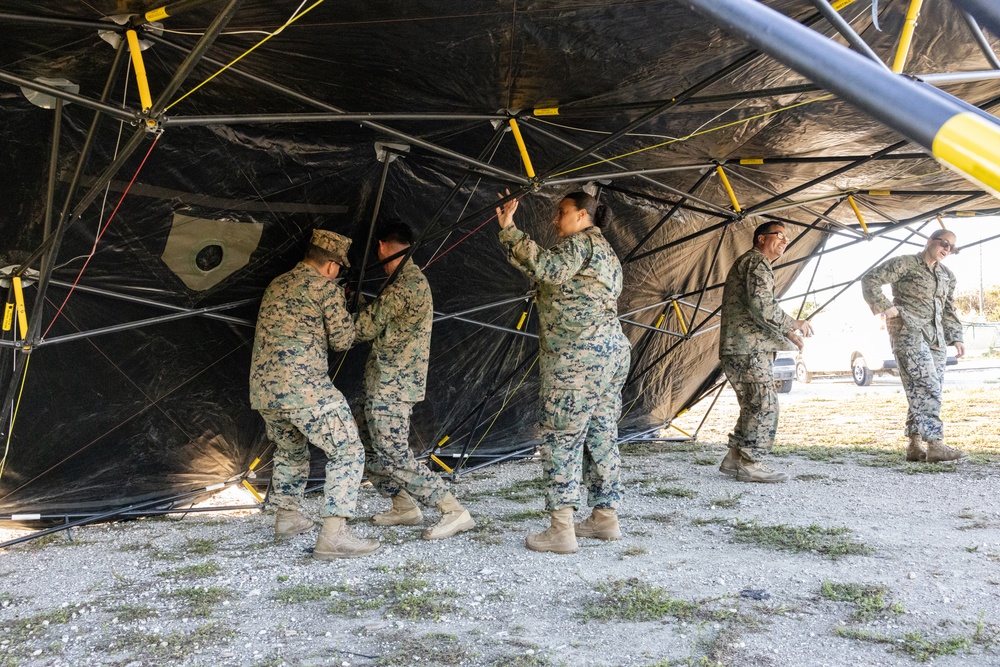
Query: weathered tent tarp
219 207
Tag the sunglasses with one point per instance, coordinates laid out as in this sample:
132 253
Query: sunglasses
947 245
780 235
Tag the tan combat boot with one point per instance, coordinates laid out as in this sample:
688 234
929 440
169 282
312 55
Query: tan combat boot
914 451
337 541
454 519
559 538
730 462
602 524
404 512
751 471
938 452
288 523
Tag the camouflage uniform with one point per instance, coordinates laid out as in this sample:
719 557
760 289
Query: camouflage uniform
754 327
926 325
583 360
302 315
399 322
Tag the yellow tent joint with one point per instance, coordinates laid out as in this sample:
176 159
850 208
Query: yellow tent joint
752 160
441 463
256 462
546 111
729 190
971 146
520 322
140 69
680 318
22 316
522 148
659 320
857 213
443 440
157 14
681 412
906 36
8 317
840 4
960 214
253 492
879 193
681 430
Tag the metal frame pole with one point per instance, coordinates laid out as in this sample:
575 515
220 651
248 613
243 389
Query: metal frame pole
984 44
502 174
66 96
986 12
276 118
50 189
845 29
694 188
960 139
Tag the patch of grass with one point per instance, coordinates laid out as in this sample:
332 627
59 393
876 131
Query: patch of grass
706 521
913 644
674 492
811 477
127 613
635 600
667 519
431 649
813 453
172 648
487 531
282 578
928 468
201 601
869 599
830 542
352 607
705 460
518 491
633 551
200 571
525 515
413 567
522 660
33 626
300 593
202 547
728 502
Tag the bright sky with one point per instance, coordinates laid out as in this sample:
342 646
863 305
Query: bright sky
843 265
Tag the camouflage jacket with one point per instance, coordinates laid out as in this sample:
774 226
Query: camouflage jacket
924 296
399 322
752 320
578 284
302 316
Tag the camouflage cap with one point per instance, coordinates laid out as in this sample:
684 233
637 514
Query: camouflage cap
333 243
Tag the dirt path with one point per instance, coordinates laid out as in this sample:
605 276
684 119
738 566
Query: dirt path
860 560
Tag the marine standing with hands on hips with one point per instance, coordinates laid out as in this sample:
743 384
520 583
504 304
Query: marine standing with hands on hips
922 322
583 361
754 327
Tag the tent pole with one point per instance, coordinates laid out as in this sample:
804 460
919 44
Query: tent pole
694 188
704 418
149 302
387 159
963 140
566 142
845 29
50 190
194 56
718 212
441 317
625 174
711 270
805 297
503 174
984 44
252 119
66 96
129 326
54 20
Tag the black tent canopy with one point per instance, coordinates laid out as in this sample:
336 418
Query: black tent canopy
147 209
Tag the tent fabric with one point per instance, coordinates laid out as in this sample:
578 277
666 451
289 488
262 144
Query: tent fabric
104 420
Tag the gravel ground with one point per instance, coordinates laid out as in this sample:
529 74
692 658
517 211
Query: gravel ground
922 551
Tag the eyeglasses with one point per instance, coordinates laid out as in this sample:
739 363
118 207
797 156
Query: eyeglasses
947 245
780 235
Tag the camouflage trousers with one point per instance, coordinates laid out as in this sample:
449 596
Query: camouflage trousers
921 369
389 462
752 377
330 428
579 431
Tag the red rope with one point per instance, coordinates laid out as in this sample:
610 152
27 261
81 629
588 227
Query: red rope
97 240
450 248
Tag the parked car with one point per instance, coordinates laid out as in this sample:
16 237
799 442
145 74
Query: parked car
784 371
859 346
